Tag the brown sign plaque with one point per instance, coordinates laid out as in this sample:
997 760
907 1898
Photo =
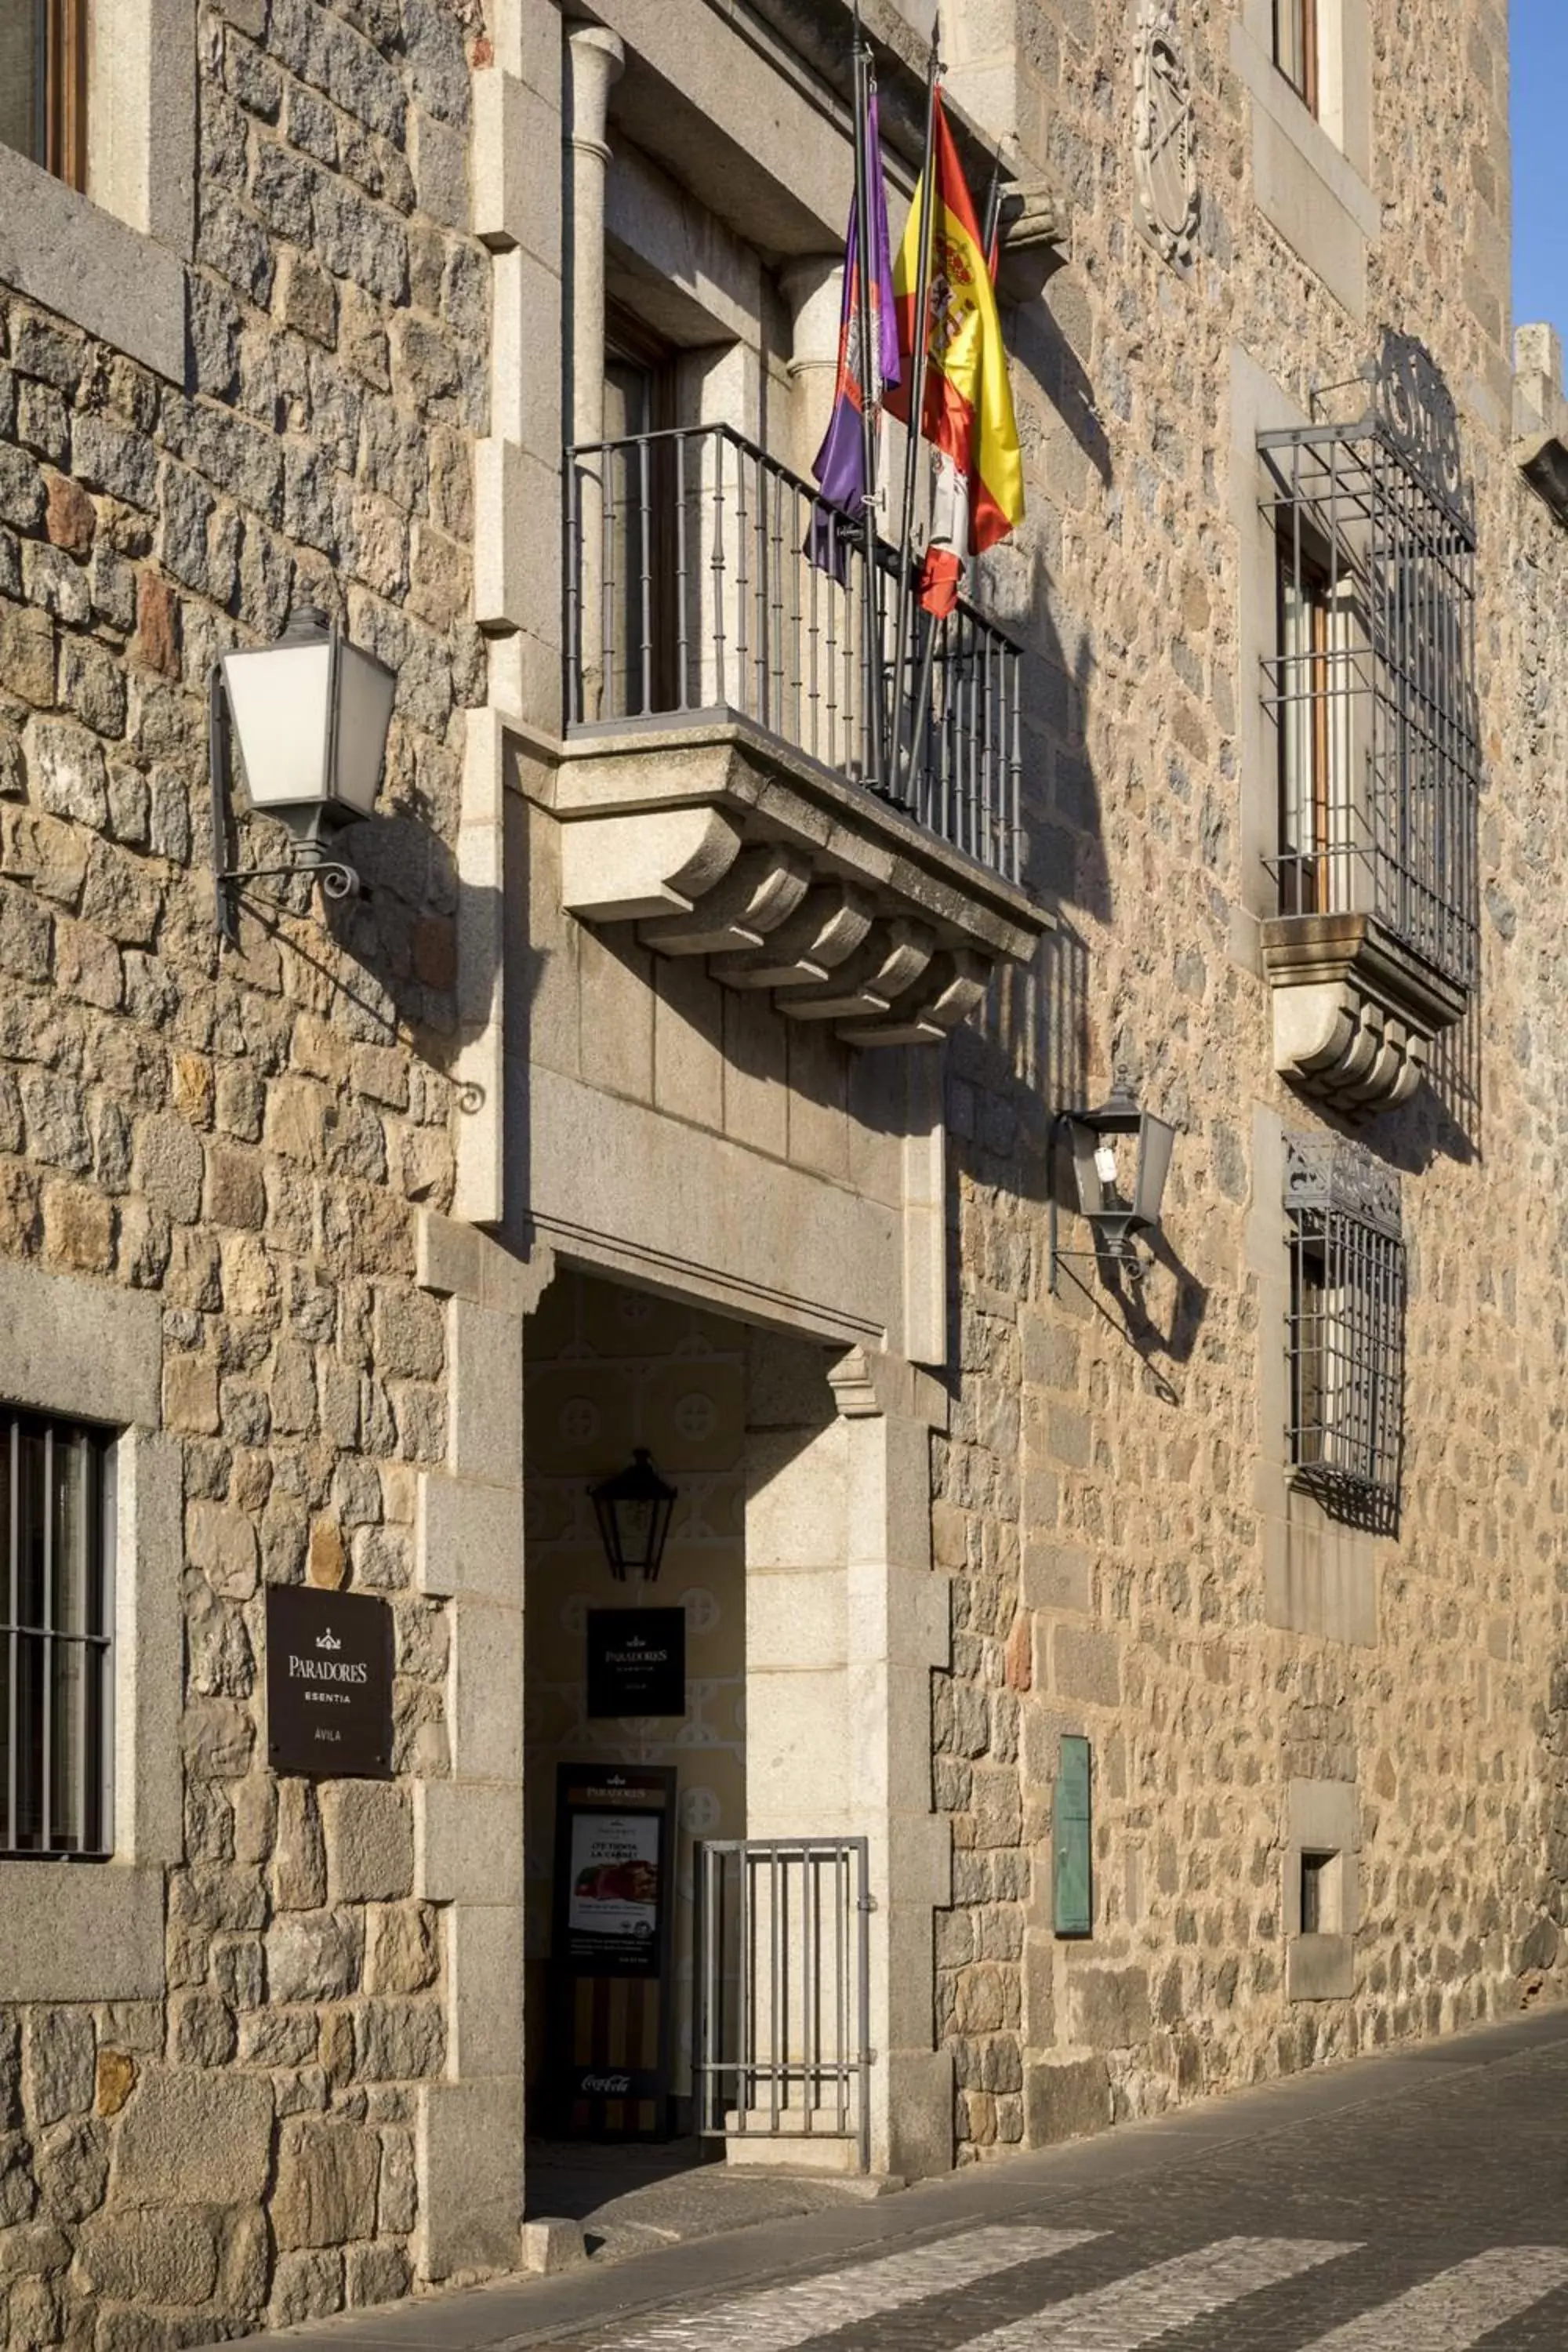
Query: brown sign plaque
637 1661
328 1682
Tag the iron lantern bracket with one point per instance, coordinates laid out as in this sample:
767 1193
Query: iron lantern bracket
1114 1252
338 879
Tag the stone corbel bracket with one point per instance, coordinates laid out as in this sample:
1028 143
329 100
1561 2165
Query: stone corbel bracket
716 841
1354 1011
1540 415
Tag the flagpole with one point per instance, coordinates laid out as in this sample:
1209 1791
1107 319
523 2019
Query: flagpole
993 219
875 683
920 337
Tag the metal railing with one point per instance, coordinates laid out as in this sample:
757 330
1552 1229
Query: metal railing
705 581
783 1979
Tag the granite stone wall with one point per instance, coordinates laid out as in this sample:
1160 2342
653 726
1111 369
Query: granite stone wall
1097 1500
248 1136
252 1139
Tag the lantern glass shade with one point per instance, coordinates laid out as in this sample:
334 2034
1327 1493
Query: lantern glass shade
310 718
1121 1157
633 1509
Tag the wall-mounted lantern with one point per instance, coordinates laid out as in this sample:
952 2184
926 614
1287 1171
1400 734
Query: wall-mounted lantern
310 715
1120 1156
633 1509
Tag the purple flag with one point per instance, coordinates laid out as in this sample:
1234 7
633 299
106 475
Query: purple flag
840 463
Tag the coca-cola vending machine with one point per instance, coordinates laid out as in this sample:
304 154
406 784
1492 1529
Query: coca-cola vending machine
614 1861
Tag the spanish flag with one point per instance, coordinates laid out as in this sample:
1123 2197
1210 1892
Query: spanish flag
968 406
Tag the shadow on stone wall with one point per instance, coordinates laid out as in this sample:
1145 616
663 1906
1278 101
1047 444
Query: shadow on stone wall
385 972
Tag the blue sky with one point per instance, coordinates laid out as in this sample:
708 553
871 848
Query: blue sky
1538 31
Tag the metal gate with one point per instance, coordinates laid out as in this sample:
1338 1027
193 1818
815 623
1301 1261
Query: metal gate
784 1978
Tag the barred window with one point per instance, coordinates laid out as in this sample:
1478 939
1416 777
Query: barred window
1372 684
1296 47
1346 1328
43 84
56 1518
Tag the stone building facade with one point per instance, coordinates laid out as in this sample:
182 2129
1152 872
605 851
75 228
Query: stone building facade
664 1087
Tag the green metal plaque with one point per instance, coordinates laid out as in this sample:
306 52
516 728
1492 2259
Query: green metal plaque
1071 1835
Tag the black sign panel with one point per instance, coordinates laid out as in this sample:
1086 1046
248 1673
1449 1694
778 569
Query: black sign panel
615 1853
637 1661
328 1682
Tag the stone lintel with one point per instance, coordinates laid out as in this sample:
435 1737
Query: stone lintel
91 1934
1356 1012
719 841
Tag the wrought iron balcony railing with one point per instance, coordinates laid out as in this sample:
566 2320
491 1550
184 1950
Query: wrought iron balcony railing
692 596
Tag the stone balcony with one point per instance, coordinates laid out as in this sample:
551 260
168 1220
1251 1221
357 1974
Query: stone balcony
736 666
717 839
1356 1012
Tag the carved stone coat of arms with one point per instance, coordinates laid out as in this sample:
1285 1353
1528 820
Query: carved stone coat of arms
1164 166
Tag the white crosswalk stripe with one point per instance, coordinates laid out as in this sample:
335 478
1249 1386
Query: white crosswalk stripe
1456 2309
1453 2311
1153 2303
779 2318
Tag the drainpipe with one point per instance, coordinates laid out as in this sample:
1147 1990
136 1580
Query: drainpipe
594 58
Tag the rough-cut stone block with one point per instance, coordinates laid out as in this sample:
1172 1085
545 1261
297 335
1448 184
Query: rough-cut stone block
550 2244
116 2079
1087 1666
151 2257
1056 1576
1110 2007
1065 2098
399 2041
306 2287
369 1841
377 2274
299 1860
19 2191
403 1948
227 2117
312 1956
327 2175
58 2063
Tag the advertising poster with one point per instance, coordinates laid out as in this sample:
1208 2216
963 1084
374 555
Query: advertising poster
613 1906
614 1850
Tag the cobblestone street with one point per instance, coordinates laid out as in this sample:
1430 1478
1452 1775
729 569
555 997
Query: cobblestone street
1416 2202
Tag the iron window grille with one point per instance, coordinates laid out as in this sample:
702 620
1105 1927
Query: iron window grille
56 1643
1346 1329
1373 682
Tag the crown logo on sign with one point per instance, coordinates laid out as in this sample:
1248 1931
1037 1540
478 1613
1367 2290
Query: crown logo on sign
327 1642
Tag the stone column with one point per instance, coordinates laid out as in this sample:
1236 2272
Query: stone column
844 1621
469 1826
594 59
898 1629
812 289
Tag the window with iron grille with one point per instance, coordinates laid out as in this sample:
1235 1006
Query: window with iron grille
1346 1328
1296 47
43 84
56 1518
1372 684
